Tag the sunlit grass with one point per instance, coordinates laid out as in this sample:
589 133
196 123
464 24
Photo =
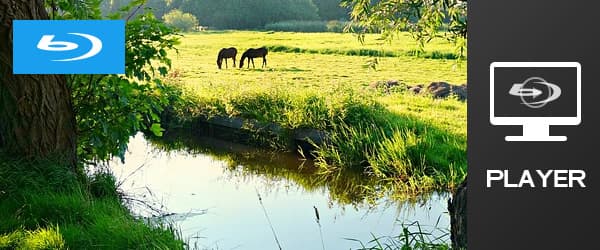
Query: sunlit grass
40 238
298 71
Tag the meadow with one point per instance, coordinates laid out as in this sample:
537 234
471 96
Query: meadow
321 81
327 60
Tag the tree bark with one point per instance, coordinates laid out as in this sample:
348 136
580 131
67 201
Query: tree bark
458 217
36 113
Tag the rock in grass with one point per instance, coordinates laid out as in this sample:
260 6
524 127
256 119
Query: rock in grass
460 91
435 89
439 89
444 90
388 86
417 89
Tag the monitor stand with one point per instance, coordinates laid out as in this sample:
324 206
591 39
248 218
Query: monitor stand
536 132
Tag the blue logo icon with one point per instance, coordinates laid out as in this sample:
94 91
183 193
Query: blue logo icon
69 47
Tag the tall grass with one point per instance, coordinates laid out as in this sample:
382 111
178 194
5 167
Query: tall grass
327 51
412 237
362 134
318 220
268 219
45 206
419 155
365 52
298 26
40 238
333 26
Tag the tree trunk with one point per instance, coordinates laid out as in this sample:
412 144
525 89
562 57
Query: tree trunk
458 217
36 114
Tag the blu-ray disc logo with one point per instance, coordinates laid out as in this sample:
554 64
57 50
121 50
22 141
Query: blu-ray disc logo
68 47
47 43
529 94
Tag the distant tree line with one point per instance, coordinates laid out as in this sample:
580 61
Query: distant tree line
243 14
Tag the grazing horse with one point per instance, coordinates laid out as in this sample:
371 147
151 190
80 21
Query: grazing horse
254 53
226 53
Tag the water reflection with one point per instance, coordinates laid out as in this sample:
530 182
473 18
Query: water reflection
212 189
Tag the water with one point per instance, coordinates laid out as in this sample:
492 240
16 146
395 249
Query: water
212 189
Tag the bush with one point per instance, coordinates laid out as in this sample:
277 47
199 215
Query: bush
336 26
249 14
182 21
298 26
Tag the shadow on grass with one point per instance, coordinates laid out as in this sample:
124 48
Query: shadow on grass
291 69
365 52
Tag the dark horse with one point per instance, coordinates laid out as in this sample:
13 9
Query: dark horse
254 53
226 53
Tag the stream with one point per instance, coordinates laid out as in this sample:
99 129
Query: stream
223 195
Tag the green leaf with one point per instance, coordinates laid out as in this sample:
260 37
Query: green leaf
156 129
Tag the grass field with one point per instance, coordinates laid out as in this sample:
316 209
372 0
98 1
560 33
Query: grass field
319 80
198 54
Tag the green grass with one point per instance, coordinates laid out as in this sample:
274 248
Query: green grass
45 206
196 61
365 52
415 141
413 237
298 26
333 26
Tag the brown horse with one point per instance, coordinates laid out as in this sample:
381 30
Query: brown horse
225 53
254 53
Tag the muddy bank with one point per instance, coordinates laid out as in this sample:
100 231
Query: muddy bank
253 132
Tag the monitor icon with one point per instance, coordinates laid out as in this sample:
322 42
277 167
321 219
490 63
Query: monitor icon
535 95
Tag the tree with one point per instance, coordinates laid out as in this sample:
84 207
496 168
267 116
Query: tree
111 108
422 18
112 6
249 14
84 117
36 112
331 10
159 7
182 21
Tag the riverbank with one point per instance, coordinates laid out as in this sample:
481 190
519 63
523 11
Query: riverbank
416 141
46 206
384 131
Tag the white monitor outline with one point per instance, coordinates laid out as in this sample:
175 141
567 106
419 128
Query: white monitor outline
535 122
